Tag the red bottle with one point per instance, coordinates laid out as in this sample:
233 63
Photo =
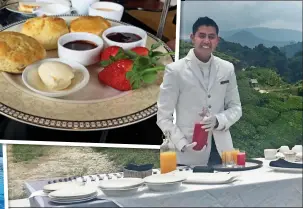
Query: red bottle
200 135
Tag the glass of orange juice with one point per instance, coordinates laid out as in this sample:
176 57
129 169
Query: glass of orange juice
227 158
234 155
168 161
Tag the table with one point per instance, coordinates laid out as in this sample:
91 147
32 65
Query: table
256 188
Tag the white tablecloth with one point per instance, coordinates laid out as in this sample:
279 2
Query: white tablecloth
261 187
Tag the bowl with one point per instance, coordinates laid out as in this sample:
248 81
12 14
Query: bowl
125 29
31 78
164 187
84 57
121 192
106 9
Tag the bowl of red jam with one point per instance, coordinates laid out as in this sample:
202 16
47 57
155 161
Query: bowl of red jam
126 37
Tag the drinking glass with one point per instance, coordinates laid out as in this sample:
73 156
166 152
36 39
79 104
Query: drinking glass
241 158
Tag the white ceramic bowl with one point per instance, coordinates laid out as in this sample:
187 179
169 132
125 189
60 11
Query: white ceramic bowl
164 187
30 78
52 9
121 192
87 57
125 29
115 13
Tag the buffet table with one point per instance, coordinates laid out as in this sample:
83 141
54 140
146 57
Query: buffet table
261 187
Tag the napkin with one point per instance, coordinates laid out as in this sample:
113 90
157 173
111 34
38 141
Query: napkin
203 169
134 167
285 164
38 193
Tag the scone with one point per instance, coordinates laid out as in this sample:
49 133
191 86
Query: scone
17 51
89 24
46 30
28 6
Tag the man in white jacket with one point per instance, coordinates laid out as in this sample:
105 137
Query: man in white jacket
200 80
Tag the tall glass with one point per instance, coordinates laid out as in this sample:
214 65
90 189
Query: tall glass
168 156
234 154
241 158
227 159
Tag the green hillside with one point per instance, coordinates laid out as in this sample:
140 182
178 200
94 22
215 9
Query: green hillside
269 120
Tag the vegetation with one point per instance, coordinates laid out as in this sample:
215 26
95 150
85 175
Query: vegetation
271 119
123 156
290 69
27 152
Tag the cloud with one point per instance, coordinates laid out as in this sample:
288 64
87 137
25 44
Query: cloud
243 14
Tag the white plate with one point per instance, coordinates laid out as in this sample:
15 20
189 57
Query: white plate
121 183
164 178
69 201
14 8
74 192
121 192
73 197
163 187
95 107
210 178
31 78
291 170
61 185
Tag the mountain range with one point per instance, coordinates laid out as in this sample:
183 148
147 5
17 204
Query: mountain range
268 34
252 37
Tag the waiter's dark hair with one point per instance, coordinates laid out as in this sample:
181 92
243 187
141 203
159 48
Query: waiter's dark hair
205 21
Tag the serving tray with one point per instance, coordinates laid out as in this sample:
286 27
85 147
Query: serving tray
95 107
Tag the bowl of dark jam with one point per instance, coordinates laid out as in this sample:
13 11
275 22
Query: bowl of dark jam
126 37
84 48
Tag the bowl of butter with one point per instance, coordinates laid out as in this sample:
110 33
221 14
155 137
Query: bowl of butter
55 77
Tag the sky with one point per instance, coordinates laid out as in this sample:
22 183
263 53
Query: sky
242 14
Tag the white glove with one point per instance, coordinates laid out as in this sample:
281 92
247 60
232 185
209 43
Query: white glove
189 148
209 123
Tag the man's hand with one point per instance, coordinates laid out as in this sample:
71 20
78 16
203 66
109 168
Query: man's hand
209 123
189 148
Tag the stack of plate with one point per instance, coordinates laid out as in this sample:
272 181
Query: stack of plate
60 185
164 182
73 194
121 187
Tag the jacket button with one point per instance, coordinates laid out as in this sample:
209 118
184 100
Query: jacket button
209 96
209 106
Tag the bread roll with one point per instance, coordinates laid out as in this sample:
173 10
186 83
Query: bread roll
17 51
46 30
89 24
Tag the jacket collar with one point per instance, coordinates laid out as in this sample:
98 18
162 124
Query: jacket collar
192 63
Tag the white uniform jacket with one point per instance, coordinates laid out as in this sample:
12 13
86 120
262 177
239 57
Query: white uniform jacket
184 92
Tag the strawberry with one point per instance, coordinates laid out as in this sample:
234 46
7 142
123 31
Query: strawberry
114 75
129 69
112 54
109 51
140 50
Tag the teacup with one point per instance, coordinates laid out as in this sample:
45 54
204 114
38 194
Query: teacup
81 6
290 156
283 149
52 9
270 154
297 148
105 9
